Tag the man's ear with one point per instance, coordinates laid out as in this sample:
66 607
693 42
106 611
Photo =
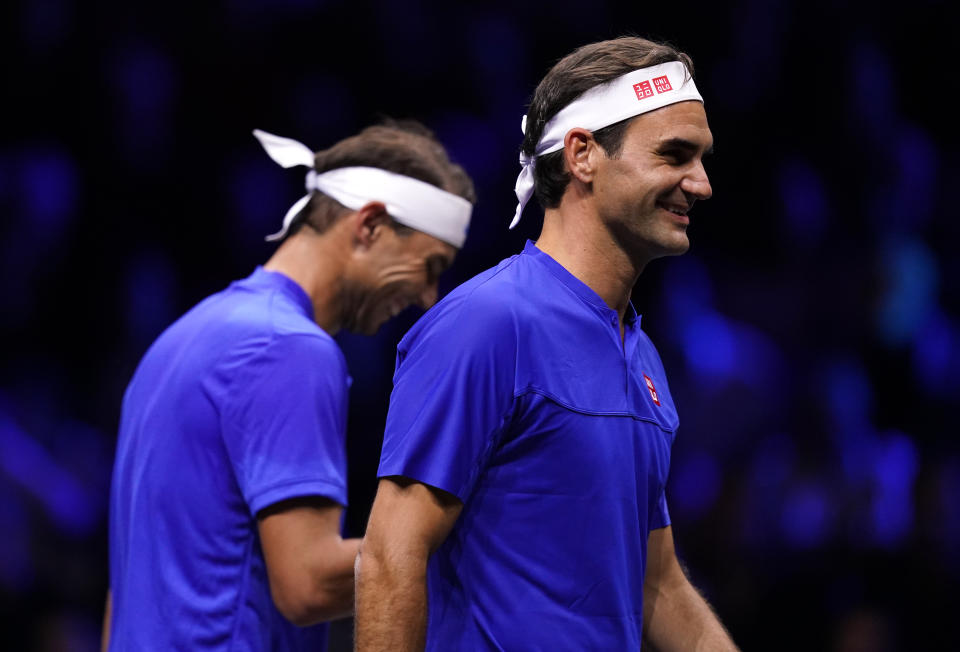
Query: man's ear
580 151
369 222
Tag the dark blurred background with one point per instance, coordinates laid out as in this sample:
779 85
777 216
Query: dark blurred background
811 335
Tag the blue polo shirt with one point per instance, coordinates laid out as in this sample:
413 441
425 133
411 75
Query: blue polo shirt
238 405
516 395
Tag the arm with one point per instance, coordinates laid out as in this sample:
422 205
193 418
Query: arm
675 616
309 565
408 522
107 613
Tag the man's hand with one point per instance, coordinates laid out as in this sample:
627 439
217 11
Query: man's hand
675 616
408 522
309 565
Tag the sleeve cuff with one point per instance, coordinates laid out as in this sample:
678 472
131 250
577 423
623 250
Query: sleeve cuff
297 489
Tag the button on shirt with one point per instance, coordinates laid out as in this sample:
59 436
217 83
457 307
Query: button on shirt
238 405
516 394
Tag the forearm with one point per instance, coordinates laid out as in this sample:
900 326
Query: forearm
391 601
677 617
335 582
316 582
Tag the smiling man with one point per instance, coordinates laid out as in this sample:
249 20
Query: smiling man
230 475
522 502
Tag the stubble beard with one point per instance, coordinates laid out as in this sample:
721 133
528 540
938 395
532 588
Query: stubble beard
356 306
643 243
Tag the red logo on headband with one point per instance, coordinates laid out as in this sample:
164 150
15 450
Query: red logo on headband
662 84
643 90
653 390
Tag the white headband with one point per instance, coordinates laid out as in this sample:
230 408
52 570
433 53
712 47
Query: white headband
636 92
414 203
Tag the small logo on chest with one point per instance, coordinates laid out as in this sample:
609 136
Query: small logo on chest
653 390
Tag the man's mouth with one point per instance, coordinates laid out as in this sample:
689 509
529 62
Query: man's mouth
676 209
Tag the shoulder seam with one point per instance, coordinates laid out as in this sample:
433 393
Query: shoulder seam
456 311
496 273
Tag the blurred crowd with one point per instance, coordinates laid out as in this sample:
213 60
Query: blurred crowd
811 336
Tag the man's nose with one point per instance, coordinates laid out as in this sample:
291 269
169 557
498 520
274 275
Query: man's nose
697 183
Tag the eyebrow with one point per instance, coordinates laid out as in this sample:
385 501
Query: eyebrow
684 144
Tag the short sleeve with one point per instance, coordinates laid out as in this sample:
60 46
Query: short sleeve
453 394
659 514
283 421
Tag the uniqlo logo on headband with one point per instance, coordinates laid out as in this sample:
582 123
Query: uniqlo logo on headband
653 390
643 90
662 84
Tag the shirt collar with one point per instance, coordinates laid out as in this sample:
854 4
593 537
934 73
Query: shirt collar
578 287
287 286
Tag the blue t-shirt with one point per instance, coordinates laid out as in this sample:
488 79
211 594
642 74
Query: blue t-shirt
516 395
238 405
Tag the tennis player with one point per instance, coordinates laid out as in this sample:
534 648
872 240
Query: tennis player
521 503
230 477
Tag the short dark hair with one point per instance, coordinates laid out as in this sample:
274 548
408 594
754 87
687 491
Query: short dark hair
405 147
576 73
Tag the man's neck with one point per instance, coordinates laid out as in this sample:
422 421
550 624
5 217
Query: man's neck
574 237
317 264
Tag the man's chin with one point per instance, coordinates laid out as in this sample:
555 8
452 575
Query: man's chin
364 326
676 244
667 249
375 325
679 249
372 328
372 325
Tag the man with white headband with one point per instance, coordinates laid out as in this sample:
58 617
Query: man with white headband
521 503
230 477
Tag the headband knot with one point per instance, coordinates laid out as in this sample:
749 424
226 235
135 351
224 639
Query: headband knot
414 203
